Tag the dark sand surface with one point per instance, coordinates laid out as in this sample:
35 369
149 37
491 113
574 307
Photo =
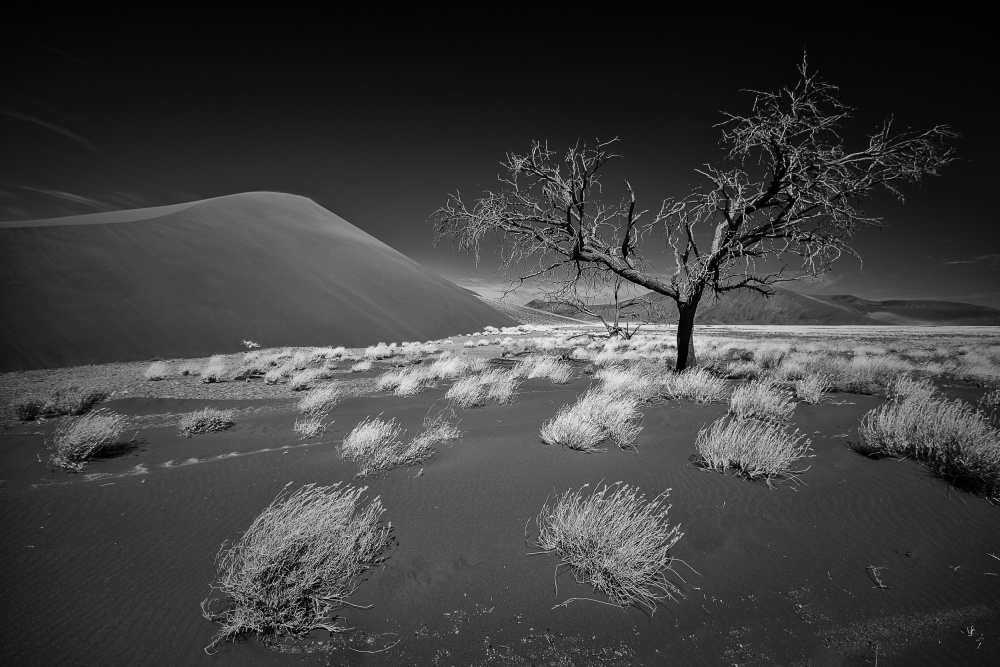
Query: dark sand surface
196 280
109 566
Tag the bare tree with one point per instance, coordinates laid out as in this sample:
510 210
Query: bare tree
786 189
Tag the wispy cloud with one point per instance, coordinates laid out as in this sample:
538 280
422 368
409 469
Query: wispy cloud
58 129
992 259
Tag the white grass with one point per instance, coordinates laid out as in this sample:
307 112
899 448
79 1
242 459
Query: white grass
951 437
377 445
544 366
361 367
214 370
205 421
595 417
279 374
310 425
810 388
492 386
158 370
76 441
644 381
451 366
614 540
754 449
320 400
302 380
761 399
380 351
697 385
297 564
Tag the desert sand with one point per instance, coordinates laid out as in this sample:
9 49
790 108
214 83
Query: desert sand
109 566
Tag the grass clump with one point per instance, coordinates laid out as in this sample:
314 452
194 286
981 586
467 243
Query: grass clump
77 441
810 388
322 399
615 540
214 370
754 449
302 380
492 386
205 421
158 370
544 366
951 437
297 564
377 445
697 385
761 399
70 400
595 417
310 426
361 366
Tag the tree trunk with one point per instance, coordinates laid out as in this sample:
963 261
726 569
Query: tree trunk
685 336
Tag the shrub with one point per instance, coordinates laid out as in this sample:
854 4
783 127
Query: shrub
376 445
301 380
697 385
544 366
949 436
297 564
380 351
811 387
615 540
310 426
361 367
644 381
157 370
754 449
457 365
214 370
76 441
28 408
205 421
321 400
595 417
72 401
406 382
493 386
761 399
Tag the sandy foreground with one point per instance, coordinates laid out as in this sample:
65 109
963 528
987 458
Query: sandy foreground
109 566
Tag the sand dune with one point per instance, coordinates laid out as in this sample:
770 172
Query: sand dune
788 307
192 280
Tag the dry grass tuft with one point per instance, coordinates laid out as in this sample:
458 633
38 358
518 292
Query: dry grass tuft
697 385
951 437
77 441
810 388
596 416
310 426
377 445
762 399
361 366
615 540
303 379
158 370
297 564
754 449
322 399
214 370
492 386
205 421
544 366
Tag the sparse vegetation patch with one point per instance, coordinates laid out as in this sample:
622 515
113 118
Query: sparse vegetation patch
757 450
205 421
78 440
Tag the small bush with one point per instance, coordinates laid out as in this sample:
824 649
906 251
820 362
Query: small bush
697 385
761 399
493 386
310 426
205 421
361 367
301 380
214 370
297 564
28 408
596 416
157 370
544 366
754 449
811 387
615 540
376 445
451 366
954 440
380 351
321 400
72 400
76 441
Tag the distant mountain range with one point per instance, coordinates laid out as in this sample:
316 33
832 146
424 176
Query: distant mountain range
788 307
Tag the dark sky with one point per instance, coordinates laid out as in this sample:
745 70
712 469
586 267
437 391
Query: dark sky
378 119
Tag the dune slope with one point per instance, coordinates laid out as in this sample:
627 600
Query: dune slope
196 280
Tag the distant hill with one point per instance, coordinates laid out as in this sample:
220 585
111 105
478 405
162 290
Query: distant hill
788 307
196 279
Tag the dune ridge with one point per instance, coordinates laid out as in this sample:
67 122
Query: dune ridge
198 279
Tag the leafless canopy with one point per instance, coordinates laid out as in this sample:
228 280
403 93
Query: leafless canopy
787 189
